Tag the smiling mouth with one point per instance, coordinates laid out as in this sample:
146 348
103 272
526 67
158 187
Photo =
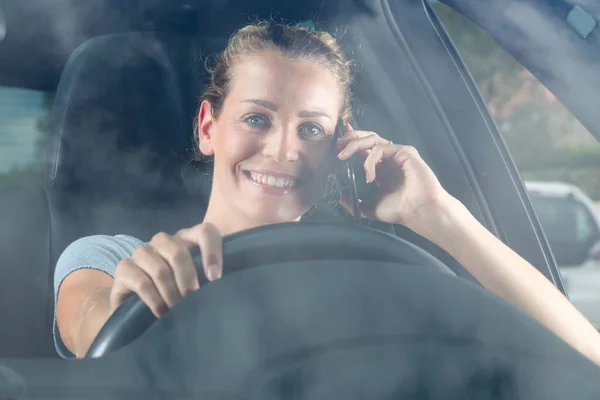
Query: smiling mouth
276 182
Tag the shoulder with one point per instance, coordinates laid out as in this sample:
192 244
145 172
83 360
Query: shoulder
101 252
90 247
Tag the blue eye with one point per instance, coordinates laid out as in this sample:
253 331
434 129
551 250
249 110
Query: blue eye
257 121
311 131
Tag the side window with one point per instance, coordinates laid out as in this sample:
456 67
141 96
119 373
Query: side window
547 143
24 118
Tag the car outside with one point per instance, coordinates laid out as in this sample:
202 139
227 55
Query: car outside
572 226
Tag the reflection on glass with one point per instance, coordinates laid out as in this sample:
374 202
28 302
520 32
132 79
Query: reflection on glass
23 124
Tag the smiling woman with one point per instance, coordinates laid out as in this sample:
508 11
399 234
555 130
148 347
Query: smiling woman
239 134
281 66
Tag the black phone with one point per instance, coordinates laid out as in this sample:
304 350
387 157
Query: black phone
352 179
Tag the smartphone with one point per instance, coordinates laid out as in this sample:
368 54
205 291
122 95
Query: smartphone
352 179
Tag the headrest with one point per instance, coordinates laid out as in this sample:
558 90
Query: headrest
122 118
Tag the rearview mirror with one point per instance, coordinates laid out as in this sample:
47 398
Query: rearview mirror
2 25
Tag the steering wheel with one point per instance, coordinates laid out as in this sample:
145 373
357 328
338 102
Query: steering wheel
270 245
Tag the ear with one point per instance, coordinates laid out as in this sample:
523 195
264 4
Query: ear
206 128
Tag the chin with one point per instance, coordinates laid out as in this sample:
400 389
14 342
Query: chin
270 216
272 210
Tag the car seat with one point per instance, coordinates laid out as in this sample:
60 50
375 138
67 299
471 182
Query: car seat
121 157
120 160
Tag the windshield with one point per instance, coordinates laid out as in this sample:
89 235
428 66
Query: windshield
135 129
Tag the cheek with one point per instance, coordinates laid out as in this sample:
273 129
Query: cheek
323 162
325 159
233 147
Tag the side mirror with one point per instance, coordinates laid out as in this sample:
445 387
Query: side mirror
594 253
2 25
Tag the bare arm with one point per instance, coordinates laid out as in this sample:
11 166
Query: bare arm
82 308
502 271
410 194
160 274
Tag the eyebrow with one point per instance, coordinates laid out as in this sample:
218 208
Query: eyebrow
263 103
273 107
313 114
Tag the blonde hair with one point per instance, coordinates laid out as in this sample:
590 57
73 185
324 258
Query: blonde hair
294 42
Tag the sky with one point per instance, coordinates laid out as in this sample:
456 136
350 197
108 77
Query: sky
19 112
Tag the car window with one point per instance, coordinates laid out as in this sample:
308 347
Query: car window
545 140
24 118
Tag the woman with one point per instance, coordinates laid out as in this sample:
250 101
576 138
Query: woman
267 119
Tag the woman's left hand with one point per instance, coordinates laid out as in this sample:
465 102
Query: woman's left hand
408 188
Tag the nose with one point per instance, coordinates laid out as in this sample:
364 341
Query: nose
282 145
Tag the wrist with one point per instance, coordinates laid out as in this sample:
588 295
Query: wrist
442 220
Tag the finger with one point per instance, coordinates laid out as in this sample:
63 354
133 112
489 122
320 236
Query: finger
351 135
150 261
370 164
176 253
208 237
129 278
361 144
408 155
404 153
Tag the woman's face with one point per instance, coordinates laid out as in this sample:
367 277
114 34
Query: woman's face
272 142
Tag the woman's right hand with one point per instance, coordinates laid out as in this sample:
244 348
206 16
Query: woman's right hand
163 272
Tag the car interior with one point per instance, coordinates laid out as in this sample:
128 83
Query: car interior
120 156
120 160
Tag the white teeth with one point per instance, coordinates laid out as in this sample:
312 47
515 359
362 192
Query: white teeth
272 180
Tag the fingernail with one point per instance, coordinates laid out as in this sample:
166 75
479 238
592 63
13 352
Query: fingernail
341 153
213 272
160 311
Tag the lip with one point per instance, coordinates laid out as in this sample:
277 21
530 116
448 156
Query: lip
274 191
